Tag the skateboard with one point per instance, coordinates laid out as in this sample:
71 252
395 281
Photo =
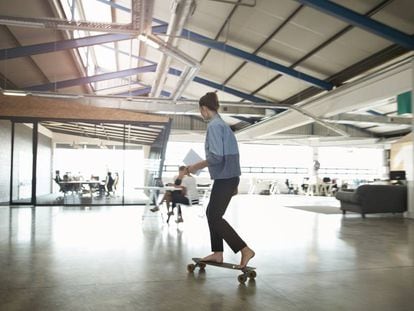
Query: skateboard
247 272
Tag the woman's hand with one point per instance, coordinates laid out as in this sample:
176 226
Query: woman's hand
190 169
197 166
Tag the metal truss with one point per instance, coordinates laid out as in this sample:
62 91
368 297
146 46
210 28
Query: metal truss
55 23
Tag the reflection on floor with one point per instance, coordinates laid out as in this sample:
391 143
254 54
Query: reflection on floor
113 258
86 199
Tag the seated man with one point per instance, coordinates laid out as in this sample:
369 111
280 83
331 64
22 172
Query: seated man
188 193
58 180
167 198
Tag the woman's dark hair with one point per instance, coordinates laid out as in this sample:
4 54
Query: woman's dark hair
210 100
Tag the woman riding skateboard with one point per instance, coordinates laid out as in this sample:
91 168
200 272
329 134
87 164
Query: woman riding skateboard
222 160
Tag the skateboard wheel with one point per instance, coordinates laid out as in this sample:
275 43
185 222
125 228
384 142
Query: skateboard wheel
242 278
252 274
190 267
202 265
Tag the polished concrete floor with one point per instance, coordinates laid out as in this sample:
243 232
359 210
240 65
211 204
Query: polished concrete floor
131 198
127 258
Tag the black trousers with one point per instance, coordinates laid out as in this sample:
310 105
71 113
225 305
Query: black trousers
221 193
178 197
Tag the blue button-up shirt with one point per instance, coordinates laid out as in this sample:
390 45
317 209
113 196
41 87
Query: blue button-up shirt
222 152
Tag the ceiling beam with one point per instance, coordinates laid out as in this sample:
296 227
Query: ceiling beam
226 89
267 40
225 48
49 47
361 21
62 24
357 118
377 59
96 78
355 95
138 92
315 50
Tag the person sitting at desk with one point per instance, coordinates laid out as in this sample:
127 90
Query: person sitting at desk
188 193
58 180
168 195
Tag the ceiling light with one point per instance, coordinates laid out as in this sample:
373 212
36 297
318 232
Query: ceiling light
14 93
57 95
20 23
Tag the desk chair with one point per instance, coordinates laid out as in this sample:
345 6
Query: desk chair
62 188
96 186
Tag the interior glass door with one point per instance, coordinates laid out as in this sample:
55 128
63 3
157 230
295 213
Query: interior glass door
22 163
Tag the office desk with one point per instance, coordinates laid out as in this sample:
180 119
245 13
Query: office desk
153 194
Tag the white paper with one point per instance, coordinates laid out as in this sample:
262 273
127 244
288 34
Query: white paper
191 158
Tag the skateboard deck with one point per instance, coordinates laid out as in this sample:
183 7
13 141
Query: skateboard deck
247 272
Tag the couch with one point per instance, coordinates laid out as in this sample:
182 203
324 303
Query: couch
367 199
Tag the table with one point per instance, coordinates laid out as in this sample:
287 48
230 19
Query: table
82 182
153 194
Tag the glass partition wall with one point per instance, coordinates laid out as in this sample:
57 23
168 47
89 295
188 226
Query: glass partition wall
80 163
5 161
93 164
22 159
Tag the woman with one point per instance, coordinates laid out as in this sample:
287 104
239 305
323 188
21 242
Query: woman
222 160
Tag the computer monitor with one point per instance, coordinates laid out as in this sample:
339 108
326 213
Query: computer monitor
397 175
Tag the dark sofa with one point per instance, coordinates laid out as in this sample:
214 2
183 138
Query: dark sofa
367 199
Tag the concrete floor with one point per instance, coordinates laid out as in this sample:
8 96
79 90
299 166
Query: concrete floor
113 258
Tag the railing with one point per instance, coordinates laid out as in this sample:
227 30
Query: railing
295 170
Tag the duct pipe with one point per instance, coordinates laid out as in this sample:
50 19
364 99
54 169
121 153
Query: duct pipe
321 122
184 81
192 65
180 11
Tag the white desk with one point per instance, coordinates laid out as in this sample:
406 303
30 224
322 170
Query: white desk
153 194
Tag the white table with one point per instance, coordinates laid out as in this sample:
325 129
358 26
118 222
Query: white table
79 184
153 194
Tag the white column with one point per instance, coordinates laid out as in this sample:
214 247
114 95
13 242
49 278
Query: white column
410 182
